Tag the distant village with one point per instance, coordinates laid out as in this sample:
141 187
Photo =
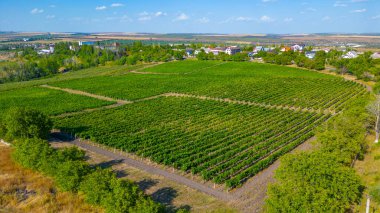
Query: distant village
43 49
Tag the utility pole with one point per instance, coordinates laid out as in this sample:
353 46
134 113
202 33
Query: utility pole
368 204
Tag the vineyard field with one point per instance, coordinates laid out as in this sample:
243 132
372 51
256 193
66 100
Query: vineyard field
221 121
51 102
260 83
223 142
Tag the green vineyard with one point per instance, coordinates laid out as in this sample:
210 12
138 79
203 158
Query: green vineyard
225 122
223 142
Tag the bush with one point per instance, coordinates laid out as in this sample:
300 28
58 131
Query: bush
70 174
97 186
31 153
27 123
375 193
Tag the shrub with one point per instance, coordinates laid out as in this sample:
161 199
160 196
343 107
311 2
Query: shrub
27 123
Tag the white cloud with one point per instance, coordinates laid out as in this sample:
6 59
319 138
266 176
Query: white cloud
288 19
181 17
242 18
145 18
265 1
376 17
36 11
359 11
326 18
203 20
266 19
355 1
100 7
339 4
159 13
50 16
52 6
117 5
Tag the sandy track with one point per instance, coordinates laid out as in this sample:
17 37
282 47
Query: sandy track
79 92
154 170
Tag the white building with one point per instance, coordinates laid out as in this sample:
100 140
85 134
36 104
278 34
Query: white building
350 54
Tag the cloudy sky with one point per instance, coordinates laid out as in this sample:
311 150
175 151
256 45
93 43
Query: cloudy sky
191 16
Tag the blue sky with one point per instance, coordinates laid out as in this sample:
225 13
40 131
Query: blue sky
191 16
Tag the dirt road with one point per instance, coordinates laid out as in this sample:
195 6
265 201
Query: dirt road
153 170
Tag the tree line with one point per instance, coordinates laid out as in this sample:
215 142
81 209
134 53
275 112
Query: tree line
323 180
28 64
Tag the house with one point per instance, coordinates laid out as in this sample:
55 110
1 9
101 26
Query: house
286 49
298 47
216 50
375 55
310 54
189 52
350 54
258 49
47 51
86 43
232 50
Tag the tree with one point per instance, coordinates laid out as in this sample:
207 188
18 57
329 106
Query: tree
97 186
123 196
70 174
27 123
374 109
313 182
31 152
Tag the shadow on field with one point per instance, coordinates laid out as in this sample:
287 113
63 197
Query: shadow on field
146 184
108 164
166 196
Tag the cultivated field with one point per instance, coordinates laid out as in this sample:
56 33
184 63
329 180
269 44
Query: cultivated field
221 121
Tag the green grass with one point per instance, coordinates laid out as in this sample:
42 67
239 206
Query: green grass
227 143
51 102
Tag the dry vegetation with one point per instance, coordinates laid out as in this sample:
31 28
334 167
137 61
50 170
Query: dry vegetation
369 171
22 190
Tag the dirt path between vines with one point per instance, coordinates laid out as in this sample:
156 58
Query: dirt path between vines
249 198
249 103
172 94
79 92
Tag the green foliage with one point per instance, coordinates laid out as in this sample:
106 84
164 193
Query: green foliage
323 180
31 153
28 123
97 186
375 193
361 66
70 174
344 136
313 182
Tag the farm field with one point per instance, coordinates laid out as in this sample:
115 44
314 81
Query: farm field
51 102
221 121
260 83
227 143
